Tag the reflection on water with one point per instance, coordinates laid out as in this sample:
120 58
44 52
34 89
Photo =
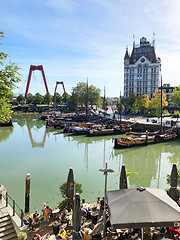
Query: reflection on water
48 154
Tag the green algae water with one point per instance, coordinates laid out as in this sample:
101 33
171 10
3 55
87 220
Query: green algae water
47 155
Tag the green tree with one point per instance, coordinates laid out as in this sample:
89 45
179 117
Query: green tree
38 98
9 76
58 99
79 94
65 97
63 186
175 97
134 109
29 98
20 98
48 98
131 98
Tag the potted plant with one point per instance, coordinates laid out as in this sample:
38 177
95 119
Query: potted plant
22 236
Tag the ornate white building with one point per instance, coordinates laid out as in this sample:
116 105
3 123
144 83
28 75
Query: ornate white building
142 70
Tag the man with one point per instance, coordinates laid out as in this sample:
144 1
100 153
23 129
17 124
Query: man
61 234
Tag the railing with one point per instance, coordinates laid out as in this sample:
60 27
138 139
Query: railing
16 209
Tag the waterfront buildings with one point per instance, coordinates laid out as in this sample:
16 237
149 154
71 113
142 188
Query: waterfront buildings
142 69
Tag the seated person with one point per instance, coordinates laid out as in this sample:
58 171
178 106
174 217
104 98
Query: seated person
35 222
97 235
102 204
61 234
36 237
87 236
65 217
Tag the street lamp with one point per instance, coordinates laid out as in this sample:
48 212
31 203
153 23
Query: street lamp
105 171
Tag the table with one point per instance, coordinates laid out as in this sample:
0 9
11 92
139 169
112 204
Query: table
55 212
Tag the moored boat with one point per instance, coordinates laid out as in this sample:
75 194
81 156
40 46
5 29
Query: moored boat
6 123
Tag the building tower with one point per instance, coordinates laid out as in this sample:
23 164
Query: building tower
142 70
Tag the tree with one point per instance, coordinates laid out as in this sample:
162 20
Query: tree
58 99
65 97
131 98
38 98
143 101
63 186
9 76
48 98
29 98
156 101
80 93
134 109
20 98
175 97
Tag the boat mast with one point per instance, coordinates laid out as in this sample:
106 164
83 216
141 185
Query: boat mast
87 98
104 105
161 106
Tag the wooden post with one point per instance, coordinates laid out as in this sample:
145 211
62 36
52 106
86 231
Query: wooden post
27 192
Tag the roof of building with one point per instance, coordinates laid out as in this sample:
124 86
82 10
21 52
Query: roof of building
144 49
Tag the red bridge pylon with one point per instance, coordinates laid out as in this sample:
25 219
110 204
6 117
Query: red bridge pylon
33 68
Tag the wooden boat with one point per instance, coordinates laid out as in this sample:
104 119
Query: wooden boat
6 123
125 142
143 140
142 133
100 132
80 130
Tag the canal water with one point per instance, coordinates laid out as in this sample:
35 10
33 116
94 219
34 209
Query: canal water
47 155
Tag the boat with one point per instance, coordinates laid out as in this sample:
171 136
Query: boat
125 142
142 133
6 123
100 132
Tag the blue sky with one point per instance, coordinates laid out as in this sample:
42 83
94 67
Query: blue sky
76 39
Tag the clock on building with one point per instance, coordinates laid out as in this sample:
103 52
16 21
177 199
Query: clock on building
142 60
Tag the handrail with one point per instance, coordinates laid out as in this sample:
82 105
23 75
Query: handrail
14 207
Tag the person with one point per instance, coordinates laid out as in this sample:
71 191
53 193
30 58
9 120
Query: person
46 214
35 223
36 237
65 217
102 204
97 235
43 208
87 236
61 234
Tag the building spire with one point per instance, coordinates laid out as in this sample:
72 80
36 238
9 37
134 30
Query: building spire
126 54
133 41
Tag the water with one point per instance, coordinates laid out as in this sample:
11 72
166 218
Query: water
47 155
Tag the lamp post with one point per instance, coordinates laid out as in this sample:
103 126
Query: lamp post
105 172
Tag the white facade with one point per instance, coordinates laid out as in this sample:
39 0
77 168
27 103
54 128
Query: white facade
142 70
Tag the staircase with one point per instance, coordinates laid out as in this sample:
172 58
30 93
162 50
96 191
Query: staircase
7 231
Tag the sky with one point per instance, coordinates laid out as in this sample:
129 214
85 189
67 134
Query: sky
79 39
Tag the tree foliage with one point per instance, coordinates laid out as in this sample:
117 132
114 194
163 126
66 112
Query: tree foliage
38 98
134 109
66 97
29 98
20 98
9 76
131 98
143 101
175 97
63 186
58 99
48 98
156 101
81 92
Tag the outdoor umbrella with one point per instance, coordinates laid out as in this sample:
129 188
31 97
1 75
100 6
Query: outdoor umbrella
77 218
123 178
173 192
139 208
70 188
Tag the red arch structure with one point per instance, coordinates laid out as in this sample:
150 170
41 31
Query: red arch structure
33 68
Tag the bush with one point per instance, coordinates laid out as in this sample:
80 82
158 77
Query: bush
22 236
176 114
62 188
